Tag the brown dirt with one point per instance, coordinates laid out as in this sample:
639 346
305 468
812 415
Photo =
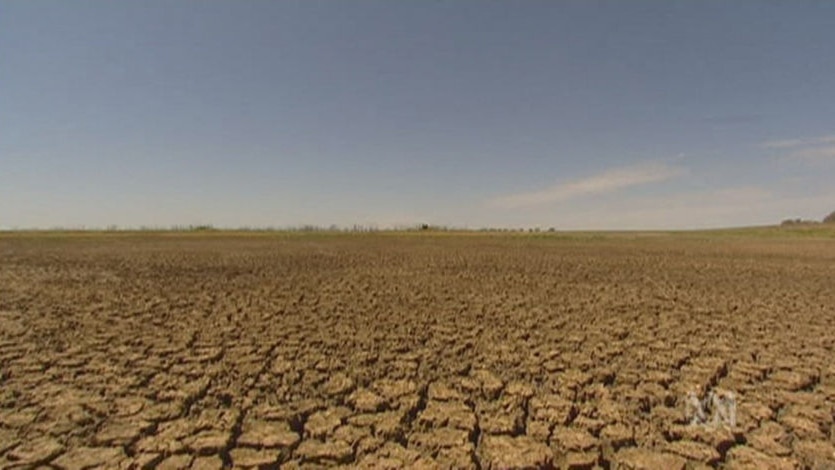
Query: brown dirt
420 351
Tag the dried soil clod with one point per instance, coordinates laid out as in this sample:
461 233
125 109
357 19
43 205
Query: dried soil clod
633 458
90 457
267 434
36 451
513 453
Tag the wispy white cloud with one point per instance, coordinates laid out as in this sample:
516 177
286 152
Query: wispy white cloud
795 143
715 207
607 182
810 150
814 153
723 207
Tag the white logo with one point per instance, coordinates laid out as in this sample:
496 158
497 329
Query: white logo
718 408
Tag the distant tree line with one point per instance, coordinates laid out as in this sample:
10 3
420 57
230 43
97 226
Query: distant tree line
829 219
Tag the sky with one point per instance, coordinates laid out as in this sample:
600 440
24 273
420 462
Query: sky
470 114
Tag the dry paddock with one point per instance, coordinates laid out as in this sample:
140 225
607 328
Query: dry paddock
491 351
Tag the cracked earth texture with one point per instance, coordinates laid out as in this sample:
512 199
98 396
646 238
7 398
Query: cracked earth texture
437 351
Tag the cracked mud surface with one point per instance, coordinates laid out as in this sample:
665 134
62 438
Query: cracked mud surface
381 351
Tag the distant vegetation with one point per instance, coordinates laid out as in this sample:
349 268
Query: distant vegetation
805 225
788 222
829 219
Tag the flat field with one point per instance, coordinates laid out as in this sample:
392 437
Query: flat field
423 350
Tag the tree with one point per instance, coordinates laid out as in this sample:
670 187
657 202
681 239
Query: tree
829 219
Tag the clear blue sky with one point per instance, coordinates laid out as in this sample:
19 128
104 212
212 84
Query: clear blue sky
573 114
